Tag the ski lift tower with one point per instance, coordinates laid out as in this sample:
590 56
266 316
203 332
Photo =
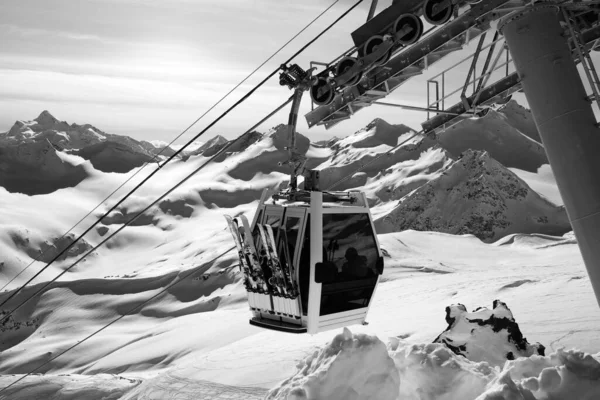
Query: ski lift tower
538 39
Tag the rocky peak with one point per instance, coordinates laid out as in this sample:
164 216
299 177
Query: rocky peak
211 147
476 195
46 119
16 129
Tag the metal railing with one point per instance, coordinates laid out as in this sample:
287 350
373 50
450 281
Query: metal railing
438 81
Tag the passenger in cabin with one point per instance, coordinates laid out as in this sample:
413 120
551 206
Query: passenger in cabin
355 266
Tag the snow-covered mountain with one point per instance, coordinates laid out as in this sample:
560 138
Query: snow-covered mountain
499 236
106 152
211 147
36 167
476 195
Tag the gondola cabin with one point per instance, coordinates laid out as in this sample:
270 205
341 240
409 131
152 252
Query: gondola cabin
311 261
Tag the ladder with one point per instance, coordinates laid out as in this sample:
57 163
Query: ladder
584 56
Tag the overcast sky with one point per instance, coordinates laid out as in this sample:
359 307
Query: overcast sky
149 68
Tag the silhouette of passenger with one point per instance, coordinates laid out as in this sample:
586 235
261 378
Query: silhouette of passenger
355 266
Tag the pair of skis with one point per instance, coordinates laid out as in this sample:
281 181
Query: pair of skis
281 280
284 293
253 256
254 279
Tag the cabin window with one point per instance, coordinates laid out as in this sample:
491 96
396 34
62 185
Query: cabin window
274 221
349 256
289 237
349 246
304 266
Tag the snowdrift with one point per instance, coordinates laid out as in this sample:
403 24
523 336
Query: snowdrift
468 363
350 367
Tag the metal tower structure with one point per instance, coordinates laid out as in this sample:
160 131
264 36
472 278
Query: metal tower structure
537 46
563 115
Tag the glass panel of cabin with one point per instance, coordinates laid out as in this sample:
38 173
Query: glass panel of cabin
304 267
349 258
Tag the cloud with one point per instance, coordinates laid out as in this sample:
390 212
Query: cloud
29 32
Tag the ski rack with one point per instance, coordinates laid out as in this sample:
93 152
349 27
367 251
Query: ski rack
410 61
501 88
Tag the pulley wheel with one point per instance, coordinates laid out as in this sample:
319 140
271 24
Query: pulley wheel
344 65
322 92
372 45
414 23
436 13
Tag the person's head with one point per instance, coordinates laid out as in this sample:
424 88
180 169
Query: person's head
351 253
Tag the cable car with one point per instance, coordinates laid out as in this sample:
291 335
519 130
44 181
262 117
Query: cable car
311 261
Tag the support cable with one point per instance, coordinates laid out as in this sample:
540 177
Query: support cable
246 96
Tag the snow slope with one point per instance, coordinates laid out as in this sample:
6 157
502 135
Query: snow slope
193 339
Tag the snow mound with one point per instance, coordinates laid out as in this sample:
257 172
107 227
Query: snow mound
476 195
358 366
433 372
564 375
350 367
536 241
486 335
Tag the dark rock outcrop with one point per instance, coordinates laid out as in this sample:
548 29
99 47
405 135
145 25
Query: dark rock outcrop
35 168
486 335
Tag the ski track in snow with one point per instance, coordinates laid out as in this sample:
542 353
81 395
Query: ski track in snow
171 386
